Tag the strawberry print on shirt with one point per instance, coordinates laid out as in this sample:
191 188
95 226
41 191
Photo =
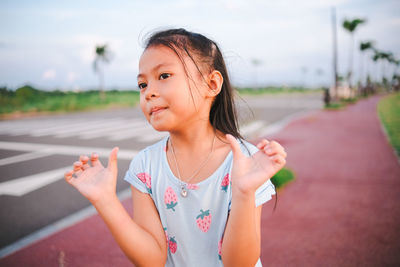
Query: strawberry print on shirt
204 220
172 245
146 179
225 183
170 198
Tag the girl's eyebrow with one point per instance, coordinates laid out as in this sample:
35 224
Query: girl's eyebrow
155 69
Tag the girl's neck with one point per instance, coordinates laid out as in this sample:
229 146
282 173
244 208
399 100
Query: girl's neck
197 148
193 138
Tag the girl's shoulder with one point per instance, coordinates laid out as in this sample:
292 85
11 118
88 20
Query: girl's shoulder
247 147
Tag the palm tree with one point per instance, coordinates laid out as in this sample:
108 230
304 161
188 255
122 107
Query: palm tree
387 56
376 58
103 55
396 64
384 57
351 26
395 77
365 47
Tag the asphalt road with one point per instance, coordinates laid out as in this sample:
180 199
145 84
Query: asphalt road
35 153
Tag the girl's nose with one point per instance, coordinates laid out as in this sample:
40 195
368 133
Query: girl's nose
151 92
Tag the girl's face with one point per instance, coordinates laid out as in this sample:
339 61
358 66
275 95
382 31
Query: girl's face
168 98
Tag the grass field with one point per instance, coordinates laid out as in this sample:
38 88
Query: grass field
30 100
389 114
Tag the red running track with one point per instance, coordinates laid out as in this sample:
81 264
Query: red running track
343 209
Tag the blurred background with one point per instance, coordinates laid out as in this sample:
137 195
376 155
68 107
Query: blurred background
51 45
68 87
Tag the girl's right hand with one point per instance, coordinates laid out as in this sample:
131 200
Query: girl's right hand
94 181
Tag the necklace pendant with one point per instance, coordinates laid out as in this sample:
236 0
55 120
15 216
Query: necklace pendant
183 191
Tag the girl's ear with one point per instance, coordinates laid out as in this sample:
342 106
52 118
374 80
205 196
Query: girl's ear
215 81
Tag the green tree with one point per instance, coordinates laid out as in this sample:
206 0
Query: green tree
376 57
383 57
351 26
364 48
103 56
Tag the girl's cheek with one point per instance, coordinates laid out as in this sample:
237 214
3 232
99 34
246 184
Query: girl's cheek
143 104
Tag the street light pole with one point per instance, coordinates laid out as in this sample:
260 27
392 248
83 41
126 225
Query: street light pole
334 39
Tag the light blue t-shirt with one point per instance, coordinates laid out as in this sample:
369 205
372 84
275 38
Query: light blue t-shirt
194 225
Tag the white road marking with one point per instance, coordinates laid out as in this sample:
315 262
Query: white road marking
132 125
24 185
88 126
8 126
25 157
21 186
67 150
60 126
111 128
27 128
140 131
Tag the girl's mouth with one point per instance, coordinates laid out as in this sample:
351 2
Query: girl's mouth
156 110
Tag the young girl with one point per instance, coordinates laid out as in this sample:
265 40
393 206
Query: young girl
197 194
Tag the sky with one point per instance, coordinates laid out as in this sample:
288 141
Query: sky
51 44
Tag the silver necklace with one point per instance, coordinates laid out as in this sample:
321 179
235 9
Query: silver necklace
184 191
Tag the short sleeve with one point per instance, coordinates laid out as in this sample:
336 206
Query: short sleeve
266 190
264 193
137 176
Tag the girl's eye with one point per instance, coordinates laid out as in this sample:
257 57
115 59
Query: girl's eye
142 86
164 76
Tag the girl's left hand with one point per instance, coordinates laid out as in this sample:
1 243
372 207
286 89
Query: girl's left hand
249 173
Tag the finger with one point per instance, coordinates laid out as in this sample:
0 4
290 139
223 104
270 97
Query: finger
278 159
275 150
77 168
112 159
262 144
273 145
84 159
69 178
94 159
237 152
85 166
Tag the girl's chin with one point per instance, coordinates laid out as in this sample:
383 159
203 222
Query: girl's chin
159 127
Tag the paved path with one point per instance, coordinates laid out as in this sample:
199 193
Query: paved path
342 210
344 207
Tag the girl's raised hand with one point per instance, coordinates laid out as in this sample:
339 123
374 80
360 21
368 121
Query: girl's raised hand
249 173
94 181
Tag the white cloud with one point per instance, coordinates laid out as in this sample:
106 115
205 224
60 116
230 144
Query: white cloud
49 74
